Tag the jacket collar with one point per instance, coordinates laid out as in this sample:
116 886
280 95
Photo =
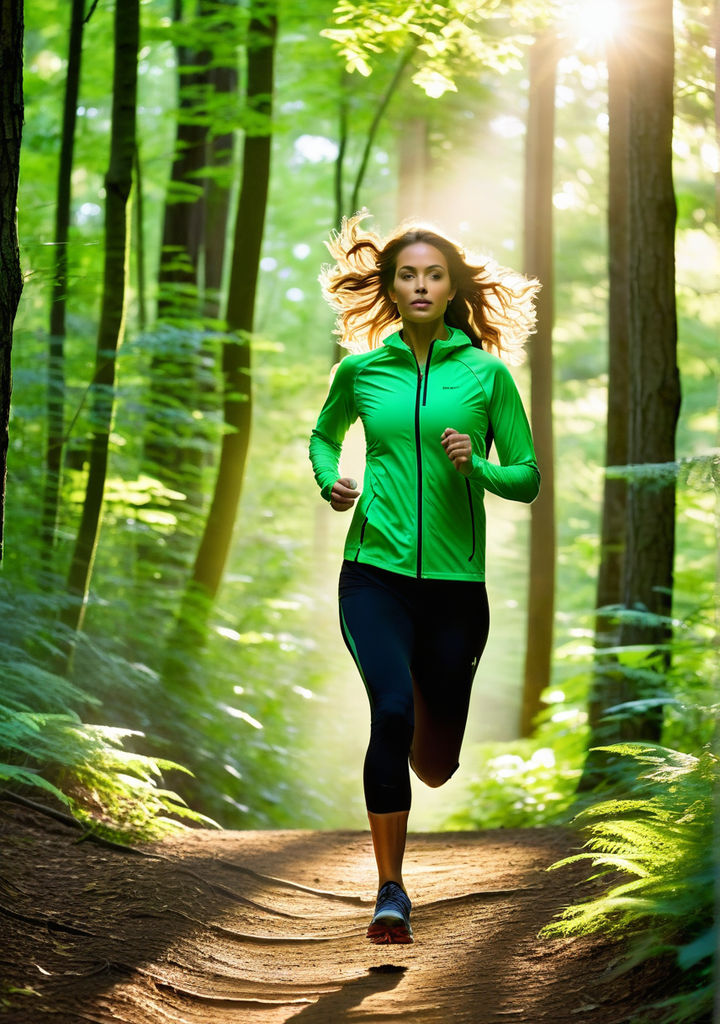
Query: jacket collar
457 339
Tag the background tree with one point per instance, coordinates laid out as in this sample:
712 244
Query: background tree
654 378
11 119
118 182
172 451
539 263
653 387
604 690
236 364
58 303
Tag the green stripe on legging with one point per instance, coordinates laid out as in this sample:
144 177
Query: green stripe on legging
353 650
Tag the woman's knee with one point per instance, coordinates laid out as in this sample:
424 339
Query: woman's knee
433 775
393 720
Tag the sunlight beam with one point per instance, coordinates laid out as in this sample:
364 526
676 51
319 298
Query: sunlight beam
594 22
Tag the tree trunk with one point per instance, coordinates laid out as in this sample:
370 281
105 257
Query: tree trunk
56 342
11 120
140 241
343 134
249 227
172 453
539 263
224 81
606 686
405 58
118 182
184 208
413 165
654 376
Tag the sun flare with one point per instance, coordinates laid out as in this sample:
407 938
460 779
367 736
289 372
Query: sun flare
595 21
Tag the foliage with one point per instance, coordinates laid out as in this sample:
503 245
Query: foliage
274 659
444 36
662 835
45 745
521 784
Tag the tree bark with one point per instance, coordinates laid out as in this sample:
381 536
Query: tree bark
654 376
606 687
58 302
171 451
224 81
184 206
11 283
118 182
139 208
539 263
653 389
217 536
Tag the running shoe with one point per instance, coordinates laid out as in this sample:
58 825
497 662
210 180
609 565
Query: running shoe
391 920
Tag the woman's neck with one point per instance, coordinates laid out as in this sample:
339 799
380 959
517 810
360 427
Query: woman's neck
419 337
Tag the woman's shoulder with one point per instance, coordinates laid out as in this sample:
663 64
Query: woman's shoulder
482 361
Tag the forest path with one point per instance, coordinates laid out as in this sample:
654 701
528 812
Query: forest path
267 927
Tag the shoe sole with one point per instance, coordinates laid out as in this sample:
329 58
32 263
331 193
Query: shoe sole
385 932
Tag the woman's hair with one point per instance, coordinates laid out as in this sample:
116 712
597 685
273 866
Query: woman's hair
493 305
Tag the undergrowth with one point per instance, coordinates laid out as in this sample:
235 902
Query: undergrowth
662 840
47 747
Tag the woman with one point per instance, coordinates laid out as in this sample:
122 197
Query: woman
413 606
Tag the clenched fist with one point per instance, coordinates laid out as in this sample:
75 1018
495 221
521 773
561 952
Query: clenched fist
343 494
458 448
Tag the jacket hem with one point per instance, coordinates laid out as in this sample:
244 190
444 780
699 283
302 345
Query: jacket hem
471 577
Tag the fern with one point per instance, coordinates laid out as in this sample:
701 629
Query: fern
46 745
666 839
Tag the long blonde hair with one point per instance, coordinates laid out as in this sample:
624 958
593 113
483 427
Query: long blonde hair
493 305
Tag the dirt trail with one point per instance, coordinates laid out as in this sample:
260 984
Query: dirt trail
268 927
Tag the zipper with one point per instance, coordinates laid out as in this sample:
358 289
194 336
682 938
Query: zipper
472 519
362 528
421 391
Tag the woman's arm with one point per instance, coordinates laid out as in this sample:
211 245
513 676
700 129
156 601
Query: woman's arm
517 477
336 416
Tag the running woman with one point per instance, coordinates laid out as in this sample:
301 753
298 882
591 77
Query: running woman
421 322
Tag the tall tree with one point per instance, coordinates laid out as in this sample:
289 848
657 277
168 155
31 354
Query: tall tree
606 685
11 120
223 80
652 337
539 263
118 183
58 301
171 451
183 215
653 388
249 227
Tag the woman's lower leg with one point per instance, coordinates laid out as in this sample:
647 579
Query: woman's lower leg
389 832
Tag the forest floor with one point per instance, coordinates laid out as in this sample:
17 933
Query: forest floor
269 926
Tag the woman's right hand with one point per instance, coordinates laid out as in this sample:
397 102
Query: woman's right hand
343 494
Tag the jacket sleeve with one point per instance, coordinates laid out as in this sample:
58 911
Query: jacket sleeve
517 477
336 416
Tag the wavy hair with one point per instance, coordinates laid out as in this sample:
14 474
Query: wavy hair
493 305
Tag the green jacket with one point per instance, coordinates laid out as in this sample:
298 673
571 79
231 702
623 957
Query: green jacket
417 515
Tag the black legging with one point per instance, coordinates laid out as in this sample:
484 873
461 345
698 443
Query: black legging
415 642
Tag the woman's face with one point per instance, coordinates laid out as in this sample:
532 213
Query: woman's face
421 287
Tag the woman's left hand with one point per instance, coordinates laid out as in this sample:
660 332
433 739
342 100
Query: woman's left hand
458 448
